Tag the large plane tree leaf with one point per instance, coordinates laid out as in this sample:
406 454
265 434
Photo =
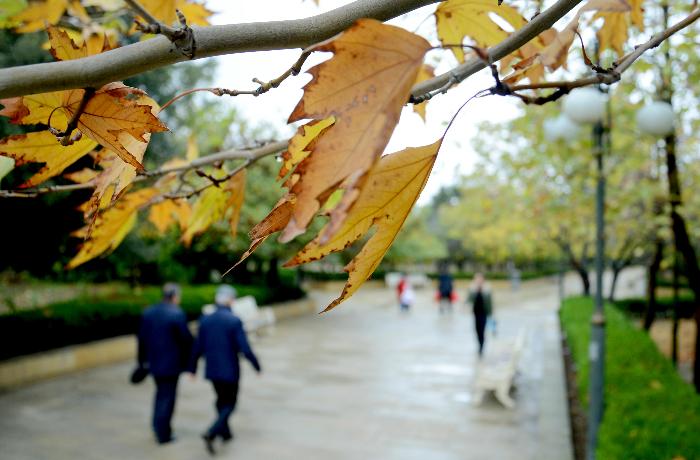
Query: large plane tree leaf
364 86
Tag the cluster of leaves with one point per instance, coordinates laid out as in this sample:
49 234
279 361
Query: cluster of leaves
333 167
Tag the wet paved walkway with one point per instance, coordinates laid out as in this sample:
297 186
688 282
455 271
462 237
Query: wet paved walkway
363 382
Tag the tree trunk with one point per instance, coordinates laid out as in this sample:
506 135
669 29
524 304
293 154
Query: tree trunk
653 273
616 269
683 244
585 280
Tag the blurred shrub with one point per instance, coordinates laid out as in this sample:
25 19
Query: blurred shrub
90 318
650 412
637 306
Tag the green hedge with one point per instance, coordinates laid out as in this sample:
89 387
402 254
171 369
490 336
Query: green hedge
637 306
650 412
93 318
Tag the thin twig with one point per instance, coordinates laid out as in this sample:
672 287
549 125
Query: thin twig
250 157
262 88
65 136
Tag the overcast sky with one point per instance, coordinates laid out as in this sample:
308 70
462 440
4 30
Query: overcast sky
456 156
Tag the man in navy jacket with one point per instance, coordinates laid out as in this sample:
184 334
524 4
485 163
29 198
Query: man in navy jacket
221 338
165 344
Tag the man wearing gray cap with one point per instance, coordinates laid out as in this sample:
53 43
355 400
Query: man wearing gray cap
165 345
221 338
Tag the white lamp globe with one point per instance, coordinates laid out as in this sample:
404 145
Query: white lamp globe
585 105
656 118
560 128
568 129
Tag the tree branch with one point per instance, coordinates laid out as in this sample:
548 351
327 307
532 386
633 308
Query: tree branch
182 37
261 89
424 90
127 61
250 156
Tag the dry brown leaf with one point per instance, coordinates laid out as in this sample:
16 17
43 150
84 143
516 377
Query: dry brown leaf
274 222
112 120
364 86
391 190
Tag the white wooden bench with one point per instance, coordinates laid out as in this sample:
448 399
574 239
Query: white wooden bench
392 279
497 373
246 308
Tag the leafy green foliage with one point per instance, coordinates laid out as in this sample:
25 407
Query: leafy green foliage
650 412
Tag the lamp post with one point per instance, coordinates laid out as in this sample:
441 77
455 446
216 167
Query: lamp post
588 106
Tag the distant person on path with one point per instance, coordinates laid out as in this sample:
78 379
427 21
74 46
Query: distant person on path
405 292
445 291
165 345
221 338
479 295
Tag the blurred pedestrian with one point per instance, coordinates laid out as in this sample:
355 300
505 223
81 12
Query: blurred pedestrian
405 292
446 293
221 338
479 295
164 348
407 295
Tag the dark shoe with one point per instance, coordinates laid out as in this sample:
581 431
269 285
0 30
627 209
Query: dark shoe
228 437
167 440
209 443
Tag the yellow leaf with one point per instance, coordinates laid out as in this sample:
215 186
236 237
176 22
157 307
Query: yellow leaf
613 34
196 13
39 13
297 149
235 202
364 86
63 47
111 226
82 176
163 10
211 206
457 19
192 149
391 190
35 109
42 147
426 72
637 14
556 53
168 212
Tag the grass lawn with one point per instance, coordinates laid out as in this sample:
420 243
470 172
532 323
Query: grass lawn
650 412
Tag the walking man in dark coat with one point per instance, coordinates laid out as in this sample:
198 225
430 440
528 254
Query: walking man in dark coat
221 338
165 344
480 297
